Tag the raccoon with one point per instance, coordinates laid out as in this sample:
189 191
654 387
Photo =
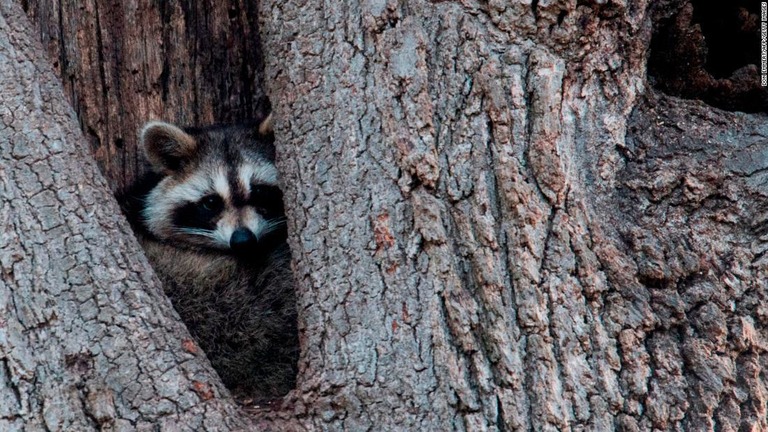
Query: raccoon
210 218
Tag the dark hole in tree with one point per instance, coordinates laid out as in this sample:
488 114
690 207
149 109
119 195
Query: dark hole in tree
731 32
238 306
710 51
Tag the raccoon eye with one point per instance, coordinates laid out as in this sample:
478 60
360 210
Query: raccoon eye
264 194
211 203
267 199
257 191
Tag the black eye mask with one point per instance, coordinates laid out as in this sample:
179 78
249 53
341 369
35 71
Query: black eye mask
201 214
267 200
211 204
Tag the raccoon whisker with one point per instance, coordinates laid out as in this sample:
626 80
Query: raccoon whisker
196 231
237 302
273 225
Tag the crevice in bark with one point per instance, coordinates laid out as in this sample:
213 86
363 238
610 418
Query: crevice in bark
535 9
10 402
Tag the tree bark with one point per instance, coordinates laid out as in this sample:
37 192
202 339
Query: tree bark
486 241
126 62
496 223
88 341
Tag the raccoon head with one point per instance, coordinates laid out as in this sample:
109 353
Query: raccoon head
219 187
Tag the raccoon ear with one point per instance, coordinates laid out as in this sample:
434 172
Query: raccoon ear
167 146
265 127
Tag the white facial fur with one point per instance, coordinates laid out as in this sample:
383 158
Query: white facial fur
263 173
171 194
167 196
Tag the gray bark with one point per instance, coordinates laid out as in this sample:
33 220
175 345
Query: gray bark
87 339
496 225
483 240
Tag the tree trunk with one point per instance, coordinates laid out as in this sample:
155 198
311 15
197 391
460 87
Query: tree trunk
124 63
486 241
88 341
496 222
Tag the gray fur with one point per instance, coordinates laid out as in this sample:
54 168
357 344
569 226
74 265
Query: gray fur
241 310
244 319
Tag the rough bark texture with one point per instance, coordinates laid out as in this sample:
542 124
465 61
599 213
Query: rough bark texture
481 241
691 212
496 225
123 63
87 339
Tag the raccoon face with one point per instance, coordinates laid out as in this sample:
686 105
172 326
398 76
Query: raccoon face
219 190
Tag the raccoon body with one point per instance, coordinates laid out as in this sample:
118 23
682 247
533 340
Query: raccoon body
210 218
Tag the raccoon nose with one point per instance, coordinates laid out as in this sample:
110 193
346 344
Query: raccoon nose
241 239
